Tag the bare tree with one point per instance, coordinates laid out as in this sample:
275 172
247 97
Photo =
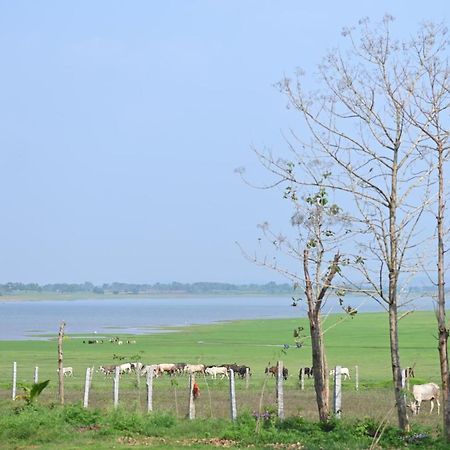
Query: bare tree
431 93
320 227
358 121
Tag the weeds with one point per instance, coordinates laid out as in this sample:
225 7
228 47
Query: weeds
74 426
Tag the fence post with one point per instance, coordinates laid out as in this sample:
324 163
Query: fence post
357 378
191 397
36 375
14 380
280 397
150 374
116 386
138 384
302 378
247 377
87 385
60 363
233 409
337 392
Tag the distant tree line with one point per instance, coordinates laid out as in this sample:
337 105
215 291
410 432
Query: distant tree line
157 288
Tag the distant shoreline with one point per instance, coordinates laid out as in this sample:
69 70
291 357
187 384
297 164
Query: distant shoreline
82 295
51 296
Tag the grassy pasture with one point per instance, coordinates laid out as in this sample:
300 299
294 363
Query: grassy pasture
361 341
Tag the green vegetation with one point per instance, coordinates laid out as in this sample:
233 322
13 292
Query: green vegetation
82 290
74 427
361 341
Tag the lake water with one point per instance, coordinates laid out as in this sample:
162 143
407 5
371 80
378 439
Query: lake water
39 319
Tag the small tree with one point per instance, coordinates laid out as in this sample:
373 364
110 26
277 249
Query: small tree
320 227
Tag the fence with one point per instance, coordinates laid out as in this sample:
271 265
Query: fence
233 399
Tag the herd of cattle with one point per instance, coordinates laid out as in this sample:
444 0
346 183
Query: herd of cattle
420 392
176 369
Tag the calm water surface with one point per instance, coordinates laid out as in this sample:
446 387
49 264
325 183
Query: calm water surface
38 319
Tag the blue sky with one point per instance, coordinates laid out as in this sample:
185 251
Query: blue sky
121 124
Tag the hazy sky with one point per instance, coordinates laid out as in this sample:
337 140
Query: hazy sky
121 124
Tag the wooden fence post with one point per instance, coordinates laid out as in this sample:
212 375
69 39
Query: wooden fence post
247 377
280 397
60 362
191 397
233 409
116 386
150 374
302 378
357 378
87 385
36 375
337 392
14 381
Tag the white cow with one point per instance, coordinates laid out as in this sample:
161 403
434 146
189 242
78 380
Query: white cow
67 371
214 371
424 392
344 372
124 368
193 368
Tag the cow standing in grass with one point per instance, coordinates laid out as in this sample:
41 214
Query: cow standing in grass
425 392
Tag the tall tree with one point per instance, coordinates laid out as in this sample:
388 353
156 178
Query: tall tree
431 91
357 120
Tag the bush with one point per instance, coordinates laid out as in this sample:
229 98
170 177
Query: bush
78 416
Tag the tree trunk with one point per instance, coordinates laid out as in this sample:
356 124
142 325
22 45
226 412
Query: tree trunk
320 369
394 271
403 421
442 328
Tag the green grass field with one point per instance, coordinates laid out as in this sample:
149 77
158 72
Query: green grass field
361 341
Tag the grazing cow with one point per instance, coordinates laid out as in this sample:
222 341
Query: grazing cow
344 373
242 371
194 368
67 371
147 368
179 367
274 371
124 368
307 371
107 370
214 371
166 368
425 392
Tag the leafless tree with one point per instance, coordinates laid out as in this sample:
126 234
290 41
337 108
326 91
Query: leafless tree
431 92
320 226
358 120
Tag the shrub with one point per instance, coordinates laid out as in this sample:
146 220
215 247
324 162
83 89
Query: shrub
78 416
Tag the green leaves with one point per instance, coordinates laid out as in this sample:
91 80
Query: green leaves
31 393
